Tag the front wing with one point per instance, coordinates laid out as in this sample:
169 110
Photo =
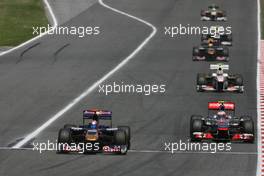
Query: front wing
209 88
106 149
210 58
206 18
239 137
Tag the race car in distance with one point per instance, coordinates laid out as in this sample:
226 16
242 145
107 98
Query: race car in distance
219 81
221 124
95 135
210 52
217 39
213 14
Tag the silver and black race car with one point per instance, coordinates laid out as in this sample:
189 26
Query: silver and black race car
221 124
213 13
95 135
219 81
210 52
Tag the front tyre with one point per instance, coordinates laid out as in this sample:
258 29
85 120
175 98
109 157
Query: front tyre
64 138
120 138
127 130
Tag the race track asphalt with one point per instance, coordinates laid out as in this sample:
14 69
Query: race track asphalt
37 85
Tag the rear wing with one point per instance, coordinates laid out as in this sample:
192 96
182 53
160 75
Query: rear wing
220 104
102 114
218 66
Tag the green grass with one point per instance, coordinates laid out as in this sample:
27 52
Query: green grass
17 17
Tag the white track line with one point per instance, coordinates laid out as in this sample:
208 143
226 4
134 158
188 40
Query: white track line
96 84
150 151
259 159
55 24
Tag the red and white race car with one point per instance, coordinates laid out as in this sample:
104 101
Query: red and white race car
221 124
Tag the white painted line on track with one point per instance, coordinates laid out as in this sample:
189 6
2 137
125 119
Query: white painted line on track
55 22
149 151
96 84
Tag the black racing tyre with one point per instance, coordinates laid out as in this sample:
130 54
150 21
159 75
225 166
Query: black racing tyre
64 138
202 13
229 37
69 126
195 126
248 126
128 133
201 79
199 88
225 84
226 52
126 129
239 81
120 137
64 135
203 37
196 51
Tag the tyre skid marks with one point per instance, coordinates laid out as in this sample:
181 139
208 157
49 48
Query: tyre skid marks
90 89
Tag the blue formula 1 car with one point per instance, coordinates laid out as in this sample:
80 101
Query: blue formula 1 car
95 135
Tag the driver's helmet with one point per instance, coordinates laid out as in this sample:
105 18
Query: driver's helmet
93 125
222 107
220 71
221 114
210 42
95 117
